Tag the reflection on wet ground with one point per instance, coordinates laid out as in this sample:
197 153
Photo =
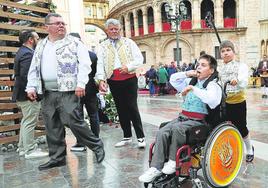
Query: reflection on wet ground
122 166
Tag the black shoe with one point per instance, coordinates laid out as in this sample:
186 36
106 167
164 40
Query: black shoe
249 158
100 154
78 147
52 164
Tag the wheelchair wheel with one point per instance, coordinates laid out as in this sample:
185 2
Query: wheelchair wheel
223 155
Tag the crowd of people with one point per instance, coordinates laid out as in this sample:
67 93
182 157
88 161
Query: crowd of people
59 75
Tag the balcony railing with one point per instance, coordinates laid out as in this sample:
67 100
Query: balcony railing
203 24
186 24
132 32
229 22
151 28
166 26
141 31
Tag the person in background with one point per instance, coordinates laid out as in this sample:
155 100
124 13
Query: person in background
162 79
27 147
59 70
151 77
90 100
184 67
263 71
171 69
236 107
118 58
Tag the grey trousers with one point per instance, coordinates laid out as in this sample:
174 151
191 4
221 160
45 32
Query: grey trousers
64 109
169 138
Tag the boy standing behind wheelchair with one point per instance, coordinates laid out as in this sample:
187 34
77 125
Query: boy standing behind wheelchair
200 91
236 107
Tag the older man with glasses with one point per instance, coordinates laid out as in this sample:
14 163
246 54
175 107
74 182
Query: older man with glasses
59 70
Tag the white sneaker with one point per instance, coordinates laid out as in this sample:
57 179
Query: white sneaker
149 175
123 142
141 143
78 147
21 152
169 167
36 154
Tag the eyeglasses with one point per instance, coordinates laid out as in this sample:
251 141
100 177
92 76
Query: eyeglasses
57 23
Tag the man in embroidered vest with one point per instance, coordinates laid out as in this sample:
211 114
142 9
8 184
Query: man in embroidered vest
59 70
194 110
118 58
236 107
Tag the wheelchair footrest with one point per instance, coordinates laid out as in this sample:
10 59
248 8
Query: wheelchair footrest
165 180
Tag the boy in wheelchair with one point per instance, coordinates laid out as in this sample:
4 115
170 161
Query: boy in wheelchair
200 89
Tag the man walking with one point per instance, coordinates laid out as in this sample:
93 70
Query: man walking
59 70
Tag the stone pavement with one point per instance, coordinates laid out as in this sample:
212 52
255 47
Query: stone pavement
122 166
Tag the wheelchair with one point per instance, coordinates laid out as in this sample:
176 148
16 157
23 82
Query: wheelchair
218 152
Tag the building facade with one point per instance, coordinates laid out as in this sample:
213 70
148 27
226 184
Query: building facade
236 20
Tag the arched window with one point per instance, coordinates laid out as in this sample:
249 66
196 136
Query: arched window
186 24
131 20
165 23
206 6
229 13
123 26
140 22
150 13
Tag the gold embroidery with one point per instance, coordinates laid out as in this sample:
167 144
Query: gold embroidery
124 55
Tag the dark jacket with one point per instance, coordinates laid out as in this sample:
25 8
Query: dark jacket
261 68
22 64
91 88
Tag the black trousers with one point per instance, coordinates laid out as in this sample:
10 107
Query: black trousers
237 114
60 109
125 97
91 104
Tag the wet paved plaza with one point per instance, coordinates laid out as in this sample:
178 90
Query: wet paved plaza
122 166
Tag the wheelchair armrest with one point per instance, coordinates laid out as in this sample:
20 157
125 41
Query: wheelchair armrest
151 152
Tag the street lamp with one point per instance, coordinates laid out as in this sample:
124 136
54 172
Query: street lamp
176 17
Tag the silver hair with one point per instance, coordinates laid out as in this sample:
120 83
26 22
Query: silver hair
113 22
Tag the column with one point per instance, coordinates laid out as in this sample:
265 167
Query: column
196 15
157 19
145 20
136 25
241 10
218 14
127 26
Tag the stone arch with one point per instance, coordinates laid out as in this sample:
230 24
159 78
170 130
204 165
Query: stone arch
99 25
170 44
150 53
